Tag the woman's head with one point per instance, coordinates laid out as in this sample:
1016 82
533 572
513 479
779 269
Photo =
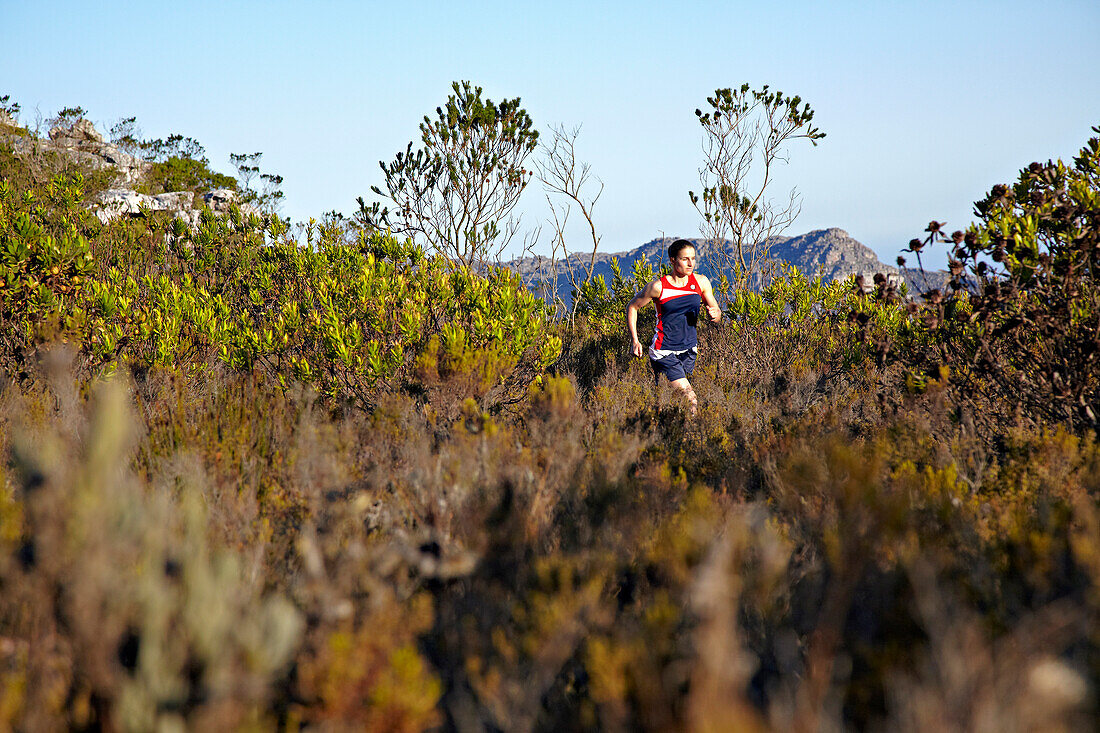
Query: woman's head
681 254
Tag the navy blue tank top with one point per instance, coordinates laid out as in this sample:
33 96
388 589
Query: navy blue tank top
677 314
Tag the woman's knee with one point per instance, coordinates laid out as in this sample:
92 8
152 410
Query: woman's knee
685 387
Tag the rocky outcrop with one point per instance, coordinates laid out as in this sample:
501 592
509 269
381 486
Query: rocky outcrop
117 202
831 253
79 132
80 142
220 200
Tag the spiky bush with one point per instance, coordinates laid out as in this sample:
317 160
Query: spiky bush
1018 325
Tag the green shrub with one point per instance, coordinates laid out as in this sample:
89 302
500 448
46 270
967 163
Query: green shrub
1019 325
351 318
184 174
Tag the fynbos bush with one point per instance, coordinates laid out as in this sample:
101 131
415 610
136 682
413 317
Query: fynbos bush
343 485
1020 322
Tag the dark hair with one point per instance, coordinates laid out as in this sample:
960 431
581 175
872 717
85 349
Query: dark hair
675 248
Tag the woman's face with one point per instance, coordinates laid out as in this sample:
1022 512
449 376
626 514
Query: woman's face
684 262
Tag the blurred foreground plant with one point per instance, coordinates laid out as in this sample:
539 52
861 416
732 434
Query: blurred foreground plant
120 612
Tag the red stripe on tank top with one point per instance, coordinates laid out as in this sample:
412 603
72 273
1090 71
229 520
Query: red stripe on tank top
660 327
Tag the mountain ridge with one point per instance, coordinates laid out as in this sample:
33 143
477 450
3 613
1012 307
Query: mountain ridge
831 253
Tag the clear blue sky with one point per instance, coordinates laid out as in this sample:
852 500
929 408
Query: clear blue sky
926 104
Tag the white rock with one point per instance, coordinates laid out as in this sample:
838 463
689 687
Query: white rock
81 131
81 143
177 200
130 169
117 202
220 199
89 159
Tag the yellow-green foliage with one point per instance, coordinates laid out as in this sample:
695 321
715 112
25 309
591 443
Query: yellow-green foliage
816 315
6 129
207 539
350 318
44 261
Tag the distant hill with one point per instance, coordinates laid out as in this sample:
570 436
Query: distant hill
831 253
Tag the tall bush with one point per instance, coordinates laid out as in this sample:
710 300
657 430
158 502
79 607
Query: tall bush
1020 322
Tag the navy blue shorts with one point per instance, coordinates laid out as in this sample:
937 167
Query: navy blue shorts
674 366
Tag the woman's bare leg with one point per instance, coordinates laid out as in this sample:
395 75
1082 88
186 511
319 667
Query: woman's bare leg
684 386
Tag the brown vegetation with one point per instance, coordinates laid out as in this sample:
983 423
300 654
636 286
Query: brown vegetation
845 537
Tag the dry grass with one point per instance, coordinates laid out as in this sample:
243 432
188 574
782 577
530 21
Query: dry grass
823 547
